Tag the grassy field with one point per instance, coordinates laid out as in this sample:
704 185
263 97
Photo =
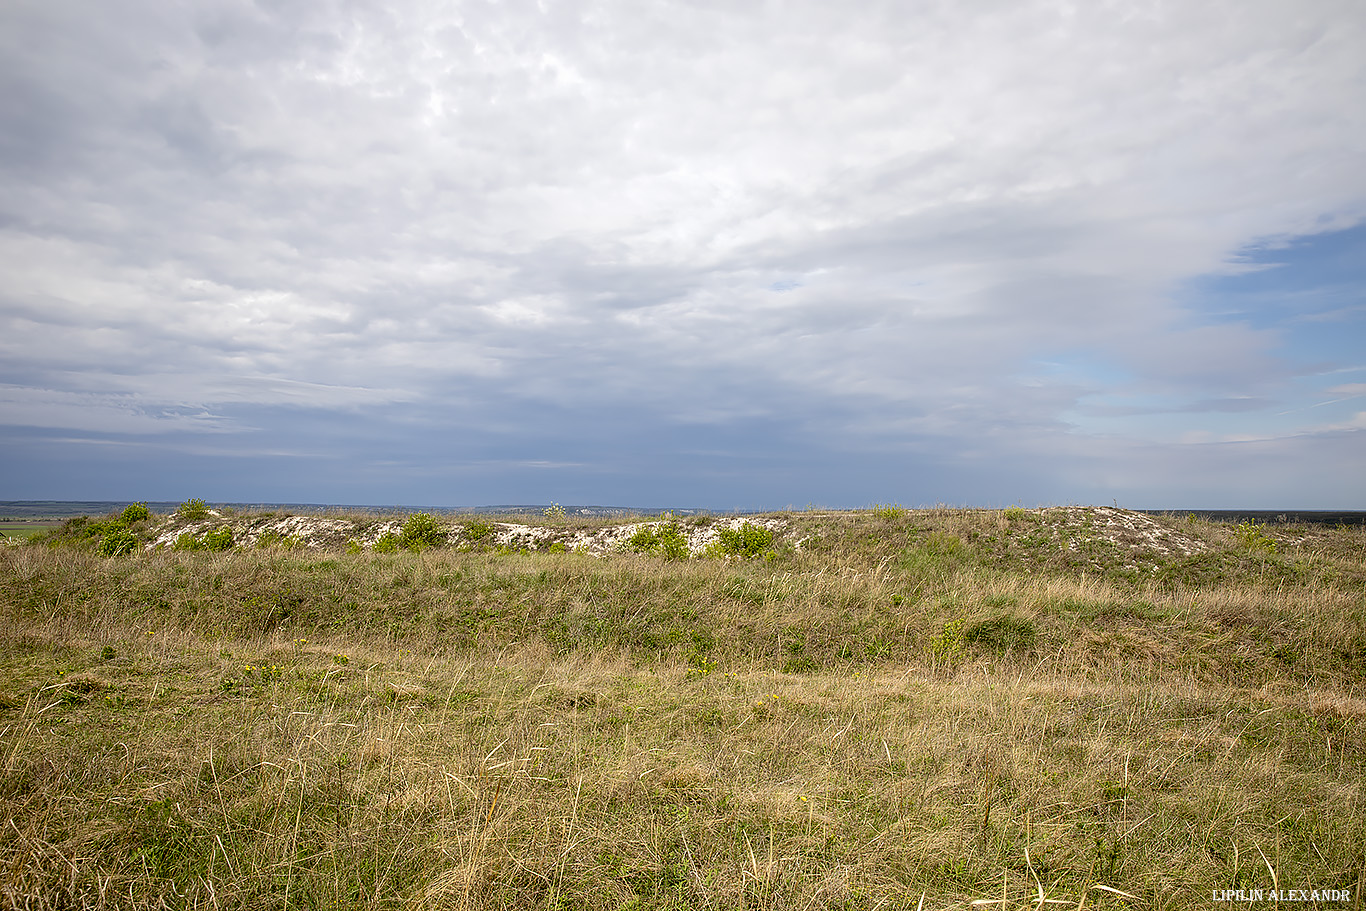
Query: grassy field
24 529
880 709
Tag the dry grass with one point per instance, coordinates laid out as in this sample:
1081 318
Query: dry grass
913 710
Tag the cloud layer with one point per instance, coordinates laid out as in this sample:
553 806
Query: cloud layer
683 253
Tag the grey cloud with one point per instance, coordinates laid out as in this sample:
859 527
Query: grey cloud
467 215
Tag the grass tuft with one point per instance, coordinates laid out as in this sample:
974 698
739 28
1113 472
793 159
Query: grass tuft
193 509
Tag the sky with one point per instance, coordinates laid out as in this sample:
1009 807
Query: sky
693 254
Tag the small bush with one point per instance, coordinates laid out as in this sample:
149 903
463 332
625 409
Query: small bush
135 512
1016 514
1254 537
478 530
643 540
746 541
193 509
117 541
218 539
673 545
555 512
272 538
187 541
85 529
889 511
422 530
76 527
665 539
387 543
559 548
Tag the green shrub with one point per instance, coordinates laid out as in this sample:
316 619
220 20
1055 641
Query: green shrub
1254 537
187 541
643 540
555 512
387 543
1016 514
77 527
559 548
193 509
135 512
218 539
272 538
84 528
117 541
478 530
888 511
746 541
422 530
673 544
664 538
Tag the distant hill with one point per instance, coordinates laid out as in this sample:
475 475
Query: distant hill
62 509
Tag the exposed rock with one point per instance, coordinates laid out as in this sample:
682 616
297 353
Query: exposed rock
332 532
1133 530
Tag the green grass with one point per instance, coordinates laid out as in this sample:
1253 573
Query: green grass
945 703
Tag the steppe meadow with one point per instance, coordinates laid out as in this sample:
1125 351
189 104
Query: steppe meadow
888 708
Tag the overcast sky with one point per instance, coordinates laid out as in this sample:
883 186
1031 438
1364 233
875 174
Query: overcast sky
705 254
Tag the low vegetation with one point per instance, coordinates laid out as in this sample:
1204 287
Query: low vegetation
918 709
665 539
